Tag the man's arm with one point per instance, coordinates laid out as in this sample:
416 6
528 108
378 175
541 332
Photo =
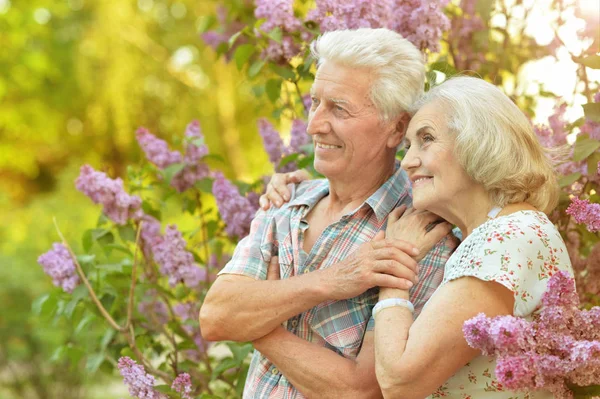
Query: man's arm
240 308
318 372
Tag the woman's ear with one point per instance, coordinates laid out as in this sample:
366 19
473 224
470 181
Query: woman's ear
399 131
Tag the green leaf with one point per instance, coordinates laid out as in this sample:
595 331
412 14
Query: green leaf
593 61
79 293
592 163
107 338
127 233
170 171
204 185
224 365
255 68
233 38
585 392
288 159
87 240
163 389
205 23
243 54
240 351
119 248
273 88
584 147
87 319
150 210
93 362
275 34
38 304
592 111
284 72
85 258
566 181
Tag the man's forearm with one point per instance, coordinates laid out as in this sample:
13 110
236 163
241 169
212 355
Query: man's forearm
240 308
318 372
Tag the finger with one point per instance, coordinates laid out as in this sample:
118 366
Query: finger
273 195
273 269
391 253
264 203
394 268
439 231
402 245
298 176
280 182
396 213
385 280
379 236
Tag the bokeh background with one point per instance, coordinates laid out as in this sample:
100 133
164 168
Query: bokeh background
77 77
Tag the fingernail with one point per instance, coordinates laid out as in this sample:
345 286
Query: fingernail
410 284
278 203
285 197
415 251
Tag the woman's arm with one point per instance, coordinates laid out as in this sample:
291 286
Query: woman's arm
414 359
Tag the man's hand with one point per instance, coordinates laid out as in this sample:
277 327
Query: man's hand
277 192
423 229
381 262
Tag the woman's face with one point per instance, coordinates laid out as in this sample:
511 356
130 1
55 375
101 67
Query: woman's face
437 177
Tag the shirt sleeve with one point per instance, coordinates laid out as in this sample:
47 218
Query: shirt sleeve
519 254
253 253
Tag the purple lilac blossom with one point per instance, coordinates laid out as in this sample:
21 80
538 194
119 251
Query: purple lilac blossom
468 54
585 212
216 38
298 135
59 265
271 140
236 211
155 311
183 385
279 14
335 14
140 383
561 342
175 261
156 150
150 235
421 22
188 313
117 204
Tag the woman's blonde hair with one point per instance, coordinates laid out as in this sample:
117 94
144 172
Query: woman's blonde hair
496 144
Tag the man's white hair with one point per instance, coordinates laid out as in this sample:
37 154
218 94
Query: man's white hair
397 66
495 143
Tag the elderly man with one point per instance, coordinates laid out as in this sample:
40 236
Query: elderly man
312 328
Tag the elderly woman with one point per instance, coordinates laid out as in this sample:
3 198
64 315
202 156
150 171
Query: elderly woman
474 160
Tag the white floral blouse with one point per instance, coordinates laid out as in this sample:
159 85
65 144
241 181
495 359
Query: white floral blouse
520 251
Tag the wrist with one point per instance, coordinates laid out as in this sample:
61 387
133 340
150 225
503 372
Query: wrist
386 293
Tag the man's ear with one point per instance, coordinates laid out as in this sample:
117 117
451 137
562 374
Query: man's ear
399 131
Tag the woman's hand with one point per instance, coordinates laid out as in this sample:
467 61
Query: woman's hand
423 229
277 192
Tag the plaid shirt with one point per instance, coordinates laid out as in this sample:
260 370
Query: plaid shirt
336 325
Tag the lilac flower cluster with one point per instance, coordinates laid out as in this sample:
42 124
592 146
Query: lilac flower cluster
236 211
175 261
422 22
216 38
275 147
157 151
59 265
585 212
559 346
155 311
466 54
140 383
279 14
188 313
117 204
183 385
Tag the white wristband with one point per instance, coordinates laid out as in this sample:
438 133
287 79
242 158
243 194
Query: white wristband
391 302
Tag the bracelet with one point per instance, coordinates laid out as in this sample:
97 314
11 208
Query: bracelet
391 302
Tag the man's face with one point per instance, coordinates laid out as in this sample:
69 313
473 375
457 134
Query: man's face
347 132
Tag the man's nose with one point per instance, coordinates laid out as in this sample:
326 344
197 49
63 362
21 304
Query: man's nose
318 121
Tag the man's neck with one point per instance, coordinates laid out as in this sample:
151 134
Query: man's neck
345 196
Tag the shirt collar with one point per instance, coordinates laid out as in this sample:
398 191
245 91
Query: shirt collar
381 201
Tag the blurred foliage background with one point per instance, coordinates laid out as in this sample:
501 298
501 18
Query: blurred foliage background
77 77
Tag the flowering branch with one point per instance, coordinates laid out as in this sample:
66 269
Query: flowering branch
93 295
133 275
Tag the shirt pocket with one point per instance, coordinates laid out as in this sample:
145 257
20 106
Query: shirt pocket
286 257
342 324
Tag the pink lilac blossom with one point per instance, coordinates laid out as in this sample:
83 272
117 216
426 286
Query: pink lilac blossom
59 265
140 383
558 346
188 313
150 235
298 135
271 140
584 212
421 22
194 169
117 204
468 54
156 150
279 14
155 311
183 385
175 261
216 38
335 14
236 211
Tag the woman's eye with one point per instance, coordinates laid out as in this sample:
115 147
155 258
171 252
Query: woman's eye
427 138
407 146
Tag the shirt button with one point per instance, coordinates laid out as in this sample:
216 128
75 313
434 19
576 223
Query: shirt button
306 271
275 370
294 323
